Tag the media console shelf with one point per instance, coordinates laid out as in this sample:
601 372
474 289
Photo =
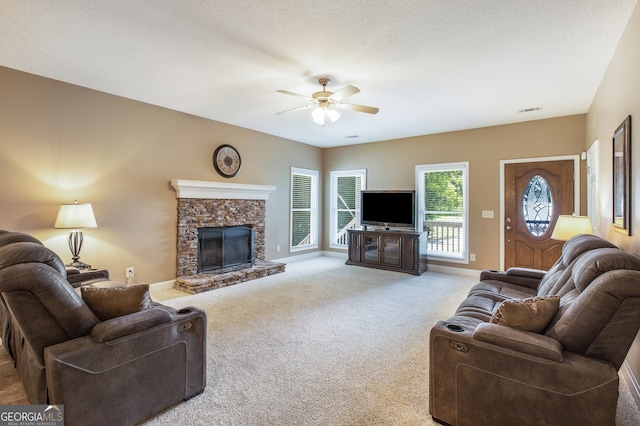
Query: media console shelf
390 250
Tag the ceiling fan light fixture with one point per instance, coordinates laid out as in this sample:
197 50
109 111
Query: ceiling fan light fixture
333 115
326 103
321 114
318 116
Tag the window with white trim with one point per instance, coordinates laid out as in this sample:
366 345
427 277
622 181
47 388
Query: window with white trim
304 209
345 204
442 200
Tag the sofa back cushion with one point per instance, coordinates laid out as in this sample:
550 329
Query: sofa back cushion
8 237
596 262
41 288
559 280
600 316
28 252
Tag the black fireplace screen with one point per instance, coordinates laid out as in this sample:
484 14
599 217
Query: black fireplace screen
225 248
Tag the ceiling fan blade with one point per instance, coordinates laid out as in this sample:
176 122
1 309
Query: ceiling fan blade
359 108
344 92
294 109
286 92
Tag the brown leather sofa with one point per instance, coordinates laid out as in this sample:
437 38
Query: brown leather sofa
119 371
485 373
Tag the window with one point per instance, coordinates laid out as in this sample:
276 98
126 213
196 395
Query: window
537 206
443 210
345 204
304 209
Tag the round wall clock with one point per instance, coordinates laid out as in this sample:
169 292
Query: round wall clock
227 161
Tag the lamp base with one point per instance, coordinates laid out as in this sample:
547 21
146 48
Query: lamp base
75 244
79 265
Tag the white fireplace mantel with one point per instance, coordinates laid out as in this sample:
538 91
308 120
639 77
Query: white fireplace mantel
220 190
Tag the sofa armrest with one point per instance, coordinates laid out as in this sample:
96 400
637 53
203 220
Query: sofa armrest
129 324
521 341
519 276
140 373
77 277
526 272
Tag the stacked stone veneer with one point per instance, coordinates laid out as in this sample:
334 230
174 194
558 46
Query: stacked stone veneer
194 213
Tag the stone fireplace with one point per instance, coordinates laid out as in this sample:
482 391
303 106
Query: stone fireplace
219 204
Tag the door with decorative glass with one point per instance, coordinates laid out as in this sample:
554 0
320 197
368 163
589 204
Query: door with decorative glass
535 195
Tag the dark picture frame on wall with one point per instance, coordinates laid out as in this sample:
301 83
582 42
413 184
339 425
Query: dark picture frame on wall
622 177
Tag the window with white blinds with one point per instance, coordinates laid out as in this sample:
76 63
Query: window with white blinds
346 187
443 210
304 209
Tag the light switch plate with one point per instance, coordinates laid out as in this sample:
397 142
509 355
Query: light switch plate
487 214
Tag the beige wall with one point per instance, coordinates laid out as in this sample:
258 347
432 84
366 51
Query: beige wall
391 165
618 97
60 142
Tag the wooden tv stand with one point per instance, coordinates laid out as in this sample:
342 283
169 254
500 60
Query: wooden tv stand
390 250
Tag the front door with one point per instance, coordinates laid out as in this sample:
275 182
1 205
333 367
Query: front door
535 195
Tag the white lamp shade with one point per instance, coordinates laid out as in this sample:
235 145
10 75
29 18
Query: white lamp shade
74 216
569 226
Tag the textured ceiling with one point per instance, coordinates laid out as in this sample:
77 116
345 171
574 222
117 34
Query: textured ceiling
431 66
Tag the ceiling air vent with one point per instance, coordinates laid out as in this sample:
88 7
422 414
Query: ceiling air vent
529 109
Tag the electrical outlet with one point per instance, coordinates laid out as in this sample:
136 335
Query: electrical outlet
130 272
472 257
278 248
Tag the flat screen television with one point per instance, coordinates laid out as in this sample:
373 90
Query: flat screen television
388 208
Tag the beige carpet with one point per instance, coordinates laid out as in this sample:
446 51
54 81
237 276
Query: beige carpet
324 344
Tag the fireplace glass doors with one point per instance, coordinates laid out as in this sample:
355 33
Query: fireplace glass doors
225 248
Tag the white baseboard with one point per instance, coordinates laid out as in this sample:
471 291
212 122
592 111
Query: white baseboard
336 254
163 285
311 255
474 273
433 268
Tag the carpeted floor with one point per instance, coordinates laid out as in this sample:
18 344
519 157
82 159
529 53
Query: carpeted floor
324 344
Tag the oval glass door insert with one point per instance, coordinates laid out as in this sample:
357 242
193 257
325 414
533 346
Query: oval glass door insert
537 206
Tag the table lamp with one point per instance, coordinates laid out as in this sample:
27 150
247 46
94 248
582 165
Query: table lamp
569 226
76 216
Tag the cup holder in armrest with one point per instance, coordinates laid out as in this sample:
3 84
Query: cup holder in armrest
454 327
184 311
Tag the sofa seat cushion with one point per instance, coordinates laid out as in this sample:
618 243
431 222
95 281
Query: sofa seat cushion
112 302
480 306
506 290
532 314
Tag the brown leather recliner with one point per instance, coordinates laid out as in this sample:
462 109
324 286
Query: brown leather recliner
119 371
483 373
7 237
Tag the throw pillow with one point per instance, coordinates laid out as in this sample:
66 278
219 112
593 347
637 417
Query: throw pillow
531 314
113 302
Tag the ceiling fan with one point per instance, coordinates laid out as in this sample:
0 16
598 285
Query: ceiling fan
325 102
